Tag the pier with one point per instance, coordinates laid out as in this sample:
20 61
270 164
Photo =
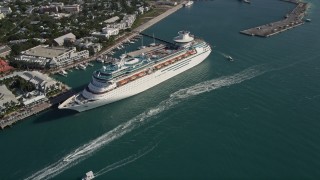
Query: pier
293 19
156 38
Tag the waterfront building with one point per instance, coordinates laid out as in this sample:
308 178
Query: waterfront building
106 32
4 51
41 81
33 99
125 23
52 57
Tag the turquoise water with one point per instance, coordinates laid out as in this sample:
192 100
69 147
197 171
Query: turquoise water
254 118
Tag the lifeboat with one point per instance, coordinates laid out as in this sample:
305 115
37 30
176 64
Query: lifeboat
159 66
167 63
122 82
142 74
133 77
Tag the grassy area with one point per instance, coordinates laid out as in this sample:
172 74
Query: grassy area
147 16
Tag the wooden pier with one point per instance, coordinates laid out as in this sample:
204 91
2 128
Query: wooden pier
293 19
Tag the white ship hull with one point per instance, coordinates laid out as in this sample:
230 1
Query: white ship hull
141 84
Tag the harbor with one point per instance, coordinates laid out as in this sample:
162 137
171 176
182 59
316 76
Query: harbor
255 117
291 20
38 107
124 38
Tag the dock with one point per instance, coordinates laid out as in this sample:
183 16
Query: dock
158 39
293 19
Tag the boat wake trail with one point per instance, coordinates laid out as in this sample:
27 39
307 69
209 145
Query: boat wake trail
87 149
126 161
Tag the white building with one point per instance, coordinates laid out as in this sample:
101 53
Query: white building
41 81
60 40
110 31
141 10
128 20
52 56
112 20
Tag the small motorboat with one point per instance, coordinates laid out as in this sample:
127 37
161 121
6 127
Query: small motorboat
229 58
89 175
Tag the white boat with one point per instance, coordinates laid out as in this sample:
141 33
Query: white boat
83 67
90 64
247 1
99 59
188 3
134 74
308 20
89 175
229 58
63 73
141 47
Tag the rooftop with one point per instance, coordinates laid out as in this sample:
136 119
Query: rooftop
4 49
60 40
45 51
112 20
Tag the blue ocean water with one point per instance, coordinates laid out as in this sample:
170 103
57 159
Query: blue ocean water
254 118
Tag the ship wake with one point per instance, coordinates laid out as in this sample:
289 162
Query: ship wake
127 160
89 148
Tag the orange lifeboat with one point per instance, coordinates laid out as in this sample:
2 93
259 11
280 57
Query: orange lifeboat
122 82
159 66
142 74
133 77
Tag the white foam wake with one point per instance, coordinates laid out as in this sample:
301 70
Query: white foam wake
87 149
126 161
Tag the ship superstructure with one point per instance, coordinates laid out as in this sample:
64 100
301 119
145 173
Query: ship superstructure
138 71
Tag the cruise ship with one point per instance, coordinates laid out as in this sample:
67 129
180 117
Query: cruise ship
138 71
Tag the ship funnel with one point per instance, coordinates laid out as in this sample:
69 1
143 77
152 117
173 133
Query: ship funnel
184 37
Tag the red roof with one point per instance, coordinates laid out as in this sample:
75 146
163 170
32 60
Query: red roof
4 66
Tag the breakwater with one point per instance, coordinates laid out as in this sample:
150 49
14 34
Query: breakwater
292 19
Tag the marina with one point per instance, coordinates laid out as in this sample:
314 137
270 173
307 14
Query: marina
293 19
